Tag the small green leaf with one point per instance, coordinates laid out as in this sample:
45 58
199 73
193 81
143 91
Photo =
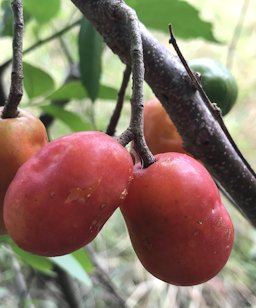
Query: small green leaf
39 263
90 53
71 119
106 92
73 267
82 257
43 11
184 18
36 81
70 90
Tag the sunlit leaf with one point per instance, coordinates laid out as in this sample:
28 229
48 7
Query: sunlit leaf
184 18
73 267
82 257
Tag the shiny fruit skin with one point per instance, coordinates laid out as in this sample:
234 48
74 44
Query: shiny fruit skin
61 198
20 138
217 81
160 133
178 227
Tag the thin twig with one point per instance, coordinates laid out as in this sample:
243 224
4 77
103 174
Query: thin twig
16 89
105 279
215 112
236 35
42 42
111 129
66 51
68 288
135 130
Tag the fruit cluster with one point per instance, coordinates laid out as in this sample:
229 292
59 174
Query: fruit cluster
63 194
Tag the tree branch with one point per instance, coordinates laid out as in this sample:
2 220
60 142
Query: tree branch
16 90
201 133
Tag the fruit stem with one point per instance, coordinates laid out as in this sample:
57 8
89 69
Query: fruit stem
16 90
135 129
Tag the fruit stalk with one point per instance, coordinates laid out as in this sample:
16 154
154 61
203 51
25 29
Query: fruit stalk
135 129
16 89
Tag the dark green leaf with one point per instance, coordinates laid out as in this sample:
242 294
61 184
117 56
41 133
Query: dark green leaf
70 90
184 18
73 267
71 119
82 257
43 11
6 21
41 264
36 81
90 53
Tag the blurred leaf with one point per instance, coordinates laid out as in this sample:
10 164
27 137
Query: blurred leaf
90 52
36 81
70 90
82 257
73 267
184 18
4 238
6 21
71 119
75 90
39 263
106 92
43 11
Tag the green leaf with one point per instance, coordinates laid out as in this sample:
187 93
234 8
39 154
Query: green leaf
36 81
106 92
39 263
70 264
90 45
184 18
70 90
6 21
82 257
71 119
43 11
75 90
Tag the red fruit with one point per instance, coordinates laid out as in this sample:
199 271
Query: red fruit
61 198
20 138
161 134
178 227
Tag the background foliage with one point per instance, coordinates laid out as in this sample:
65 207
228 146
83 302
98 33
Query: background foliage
75 79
